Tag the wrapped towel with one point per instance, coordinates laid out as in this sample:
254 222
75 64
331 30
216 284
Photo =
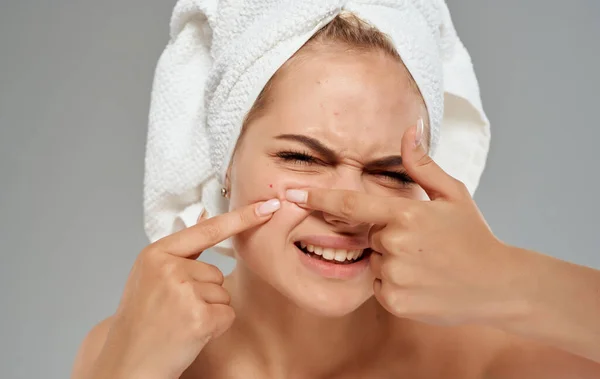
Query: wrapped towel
220 55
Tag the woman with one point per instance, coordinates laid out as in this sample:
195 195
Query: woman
344 269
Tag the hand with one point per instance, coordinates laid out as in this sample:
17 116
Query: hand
172 304
435 261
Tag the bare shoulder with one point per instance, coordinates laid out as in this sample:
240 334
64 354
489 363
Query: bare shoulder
480 352
486 353
90 349
446 351
518 358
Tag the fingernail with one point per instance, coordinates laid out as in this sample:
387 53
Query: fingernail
268 207
419 133
296 196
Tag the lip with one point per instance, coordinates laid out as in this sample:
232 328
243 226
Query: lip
332 270
335 242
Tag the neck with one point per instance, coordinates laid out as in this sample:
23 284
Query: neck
289 341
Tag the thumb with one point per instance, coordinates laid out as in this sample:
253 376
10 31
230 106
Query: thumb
423 169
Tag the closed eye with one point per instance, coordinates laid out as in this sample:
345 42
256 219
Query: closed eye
298 158
305 158
398 176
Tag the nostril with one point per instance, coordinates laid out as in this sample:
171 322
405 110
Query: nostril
340 222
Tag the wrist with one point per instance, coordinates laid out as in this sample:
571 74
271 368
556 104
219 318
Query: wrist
114 365
555 302
525 283
513 295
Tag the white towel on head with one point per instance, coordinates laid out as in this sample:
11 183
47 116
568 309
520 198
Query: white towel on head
221 54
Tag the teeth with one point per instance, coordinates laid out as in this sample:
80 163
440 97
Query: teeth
342 254
329 253
350 255
339 255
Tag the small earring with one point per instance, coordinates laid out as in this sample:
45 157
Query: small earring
224 192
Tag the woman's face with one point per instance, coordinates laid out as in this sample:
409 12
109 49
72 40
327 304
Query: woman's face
333 119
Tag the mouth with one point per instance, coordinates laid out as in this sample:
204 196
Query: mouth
333 255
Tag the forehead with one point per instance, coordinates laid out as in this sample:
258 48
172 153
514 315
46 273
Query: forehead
361 101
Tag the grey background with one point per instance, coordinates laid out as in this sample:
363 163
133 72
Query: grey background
75 79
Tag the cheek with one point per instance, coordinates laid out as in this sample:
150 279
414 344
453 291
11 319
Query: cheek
250 185
271 238
264 188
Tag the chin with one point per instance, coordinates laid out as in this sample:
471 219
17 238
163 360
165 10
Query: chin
322 287
328 299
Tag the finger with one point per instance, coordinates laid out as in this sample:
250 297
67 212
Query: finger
375 261
204 273
203 216
351 205
424 171
382 292
223 316
375 233
212 293
194 240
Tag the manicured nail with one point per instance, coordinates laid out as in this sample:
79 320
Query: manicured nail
296 196
419 133
268 207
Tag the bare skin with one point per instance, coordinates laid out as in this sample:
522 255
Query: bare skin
291 323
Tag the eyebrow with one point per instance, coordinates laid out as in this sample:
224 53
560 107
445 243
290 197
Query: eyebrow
330 155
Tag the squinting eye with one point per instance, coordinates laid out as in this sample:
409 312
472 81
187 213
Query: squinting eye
296 157
399 177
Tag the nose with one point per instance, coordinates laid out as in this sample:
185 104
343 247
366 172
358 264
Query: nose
343 224
348 180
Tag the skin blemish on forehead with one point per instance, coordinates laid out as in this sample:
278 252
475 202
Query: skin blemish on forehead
270 186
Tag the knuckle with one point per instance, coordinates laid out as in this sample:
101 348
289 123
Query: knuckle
201 320
221 294
182 294
185 290
348 205
391 242
226 298
228 316
406 216
152 259
203 324
150 253
460 187
388 272
395 299
214 274
168 268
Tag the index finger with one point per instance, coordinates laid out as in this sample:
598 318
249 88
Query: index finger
192 241
351 205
